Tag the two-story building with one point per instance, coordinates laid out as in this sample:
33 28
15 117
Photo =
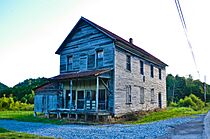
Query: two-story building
102 74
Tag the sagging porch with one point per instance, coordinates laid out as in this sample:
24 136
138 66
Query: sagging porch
81 96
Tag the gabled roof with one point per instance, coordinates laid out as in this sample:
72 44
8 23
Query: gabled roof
116 38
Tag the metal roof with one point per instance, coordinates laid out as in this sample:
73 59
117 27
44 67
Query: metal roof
81 74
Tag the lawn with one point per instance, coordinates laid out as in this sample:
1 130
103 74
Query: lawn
146 117
6 134
28 116
167 114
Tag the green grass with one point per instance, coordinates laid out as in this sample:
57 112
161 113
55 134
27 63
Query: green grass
6 134
28 116
167 114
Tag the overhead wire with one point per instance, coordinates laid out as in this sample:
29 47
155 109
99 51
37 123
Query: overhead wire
181 16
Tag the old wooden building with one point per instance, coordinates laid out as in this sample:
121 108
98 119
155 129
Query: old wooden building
101 74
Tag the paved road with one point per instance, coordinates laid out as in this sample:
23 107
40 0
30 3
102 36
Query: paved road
177 128
190 130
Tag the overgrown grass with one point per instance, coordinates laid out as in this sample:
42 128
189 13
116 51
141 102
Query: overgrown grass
28 116
6 134
167 114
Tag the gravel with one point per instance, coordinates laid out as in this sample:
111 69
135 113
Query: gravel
114 131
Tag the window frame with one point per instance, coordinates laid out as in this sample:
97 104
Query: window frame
128 62
141 67
152 71
99 58
68 63
142 95
152 91
160 73
128 94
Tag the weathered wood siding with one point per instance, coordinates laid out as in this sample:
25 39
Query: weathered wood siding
133 78
83 45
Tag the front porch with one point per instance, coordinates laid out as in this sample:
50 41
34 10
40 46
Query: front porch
81 96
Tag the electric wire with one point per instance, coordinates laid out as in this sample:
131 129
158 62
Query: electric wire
181 16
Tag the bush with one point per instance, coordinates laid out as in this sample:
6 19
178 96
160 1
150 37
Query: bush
173 104
8 103
192 101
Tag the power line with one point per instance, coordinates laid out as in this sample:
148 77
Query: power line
181 16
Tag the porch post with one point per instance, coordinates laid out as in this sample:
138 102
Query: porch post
97 92
70 95
64 98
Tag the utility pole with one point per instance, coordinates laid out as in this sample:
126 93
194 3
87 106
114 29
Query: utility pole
204 89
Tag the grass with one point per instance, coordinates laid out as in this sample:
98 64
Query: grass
167 114
28 116
6 134
145 117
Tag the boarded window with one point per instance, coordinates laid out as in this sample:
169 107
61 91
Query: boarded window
91 61
128 62
83 63
128 94
69 63
160 75
141 67
152 95
142 95
100 58
152 71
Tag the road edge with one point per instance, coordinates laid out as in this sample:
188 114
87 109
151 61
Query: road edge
207 126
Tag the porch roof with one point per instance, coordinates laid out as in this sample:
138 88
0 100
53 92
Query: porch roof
81 74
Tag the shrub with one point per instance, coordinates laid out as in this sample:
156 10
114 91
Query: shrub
8 103
192 101
173 104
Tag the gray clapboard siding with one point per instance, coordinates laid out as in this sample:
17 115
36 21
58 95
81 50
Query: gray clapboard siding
84 43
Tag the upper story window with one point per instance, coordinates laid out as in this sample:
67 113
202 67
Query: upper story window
160 75
91 61
128 94
69 63
83 63
128 62
152 71
100 58
141 67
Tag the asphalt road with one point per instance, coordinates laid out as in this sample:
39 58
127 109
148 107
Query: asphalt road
189 130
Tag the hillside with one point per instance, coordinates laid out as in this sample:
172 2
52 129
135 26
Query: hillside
23 90
3 86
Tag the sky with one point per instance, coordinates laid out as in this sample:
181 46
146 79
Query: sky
32 30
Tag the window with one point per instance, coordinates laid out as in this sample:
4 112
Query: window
69 63
128 94
152 71
83 63
160 76
100 58
128 62
142 95
141 67
91 61
152 95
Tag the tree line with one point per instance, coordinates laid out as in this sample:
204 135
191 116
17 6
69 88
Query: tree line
23 91
179 87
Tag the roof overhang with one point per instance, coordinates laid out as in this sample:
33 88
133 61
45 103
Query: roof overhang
81 74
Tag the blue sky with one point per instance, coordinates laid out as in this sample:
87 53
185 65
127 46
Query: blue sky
32 30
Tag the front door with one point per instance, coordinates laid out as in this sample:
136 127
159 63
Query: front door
80 99
90 100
